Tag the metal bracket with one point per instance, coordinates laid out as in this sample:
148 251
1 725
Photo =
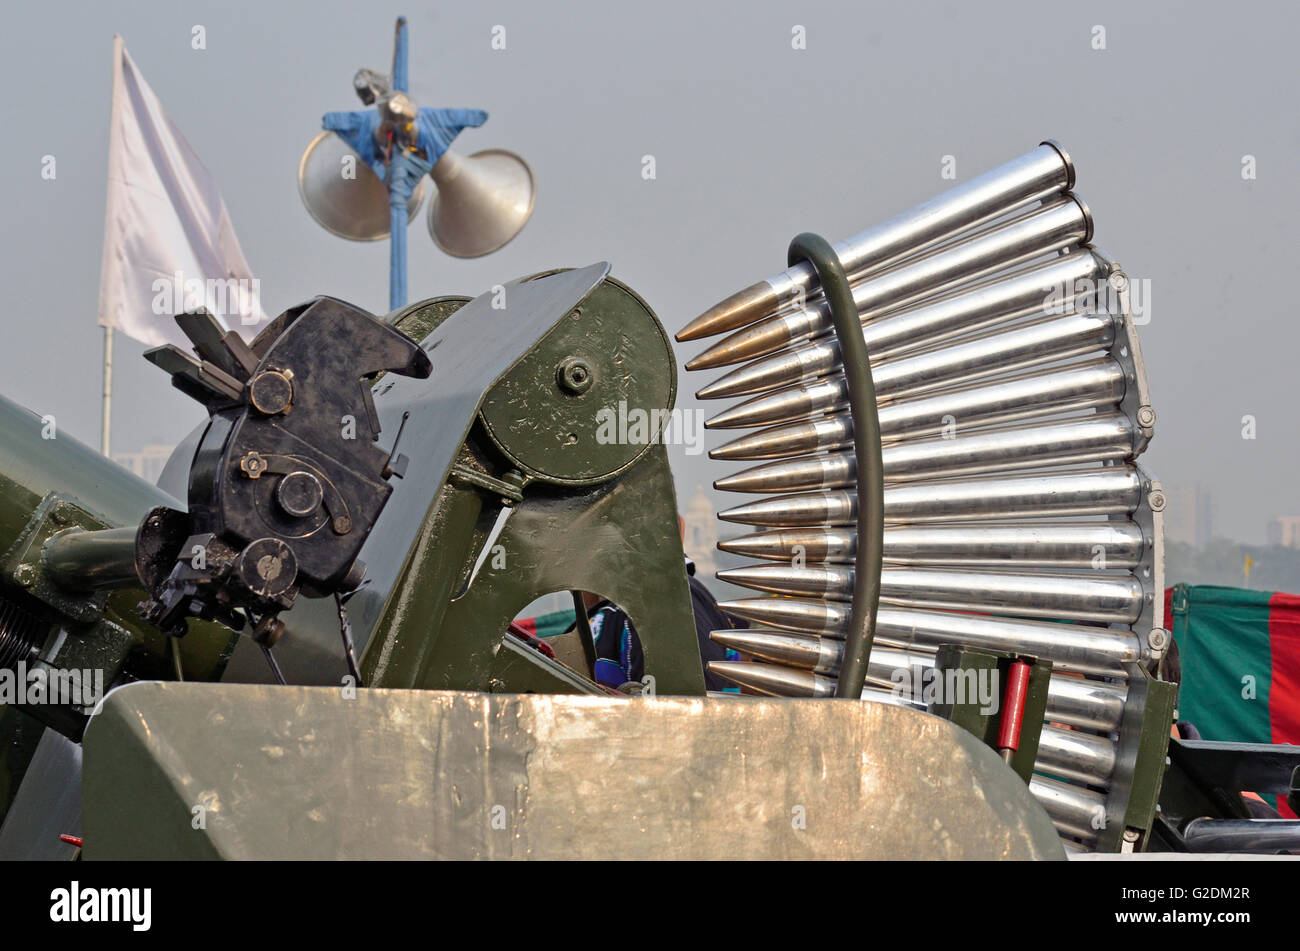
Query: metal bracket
1114 298
1140 763
1151 626
55 514
510 492
968 714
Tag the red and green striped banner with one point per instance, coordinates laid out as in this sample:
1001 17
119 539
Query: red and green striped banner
547 625
1240 657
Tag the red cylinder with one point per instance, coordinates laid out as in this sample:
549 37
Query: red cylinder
1013 706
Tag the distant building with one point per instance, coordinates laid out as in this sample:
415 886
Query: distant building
1285 531
701 538
148 462
1189 515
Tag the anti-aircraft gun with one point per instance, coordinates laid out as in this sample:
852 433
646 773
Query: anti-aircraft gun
310 640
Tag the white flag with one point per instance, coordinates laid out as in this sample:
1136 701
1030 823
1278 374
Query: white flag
168 243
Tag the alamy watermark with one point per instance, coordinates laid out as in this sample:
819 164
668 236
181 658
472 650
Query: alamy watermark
1087 296
956 685
41 685
619 425
76 903
222 297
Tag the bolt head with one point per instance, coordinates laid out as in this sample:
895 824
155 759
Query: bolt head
271 392
269 631
299 493
267 567
253 465
575 375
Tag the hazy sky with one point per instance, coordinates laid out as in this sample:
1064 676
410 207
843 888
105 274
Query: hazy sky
753 142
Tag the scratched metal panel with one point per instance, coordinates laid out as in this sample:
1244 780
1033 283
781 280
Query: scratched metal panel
303 772
470 352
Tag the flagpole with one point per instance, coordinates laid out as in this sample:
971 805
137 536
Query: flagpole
108 314
108 391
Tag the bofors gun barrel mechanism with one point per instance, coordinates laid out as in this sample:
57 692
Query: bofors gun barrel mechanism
512 494
287 480
508 471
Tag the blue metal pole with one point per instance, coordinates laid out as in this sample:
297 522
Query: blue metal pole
401 77
399 184
399 191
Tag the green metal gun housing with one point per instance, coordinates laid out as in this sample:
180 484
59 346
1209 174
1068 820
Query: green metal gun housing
510 493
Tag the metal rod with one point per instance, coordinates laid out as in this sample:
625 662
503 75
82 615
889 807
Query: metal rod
274 665
345 632
1012 715
105 428
83 560
583 626
398 195
1265 836
401 57
1036 175
817 252
174 645
399 187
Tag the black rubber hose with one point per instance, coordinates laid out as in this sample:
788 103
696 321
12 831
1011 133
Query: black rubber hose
818 252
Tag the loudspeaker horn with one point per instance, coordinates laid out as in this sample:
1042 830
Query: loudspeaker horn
347 199
482 201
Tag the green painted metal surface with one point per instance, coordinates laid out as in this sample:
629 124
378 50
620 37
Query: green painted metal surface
309 773
1140 762
40 466
567 430
582 513
967 713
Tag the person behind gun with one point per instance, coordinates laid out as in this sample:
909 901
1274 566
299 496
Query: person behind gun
619 659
